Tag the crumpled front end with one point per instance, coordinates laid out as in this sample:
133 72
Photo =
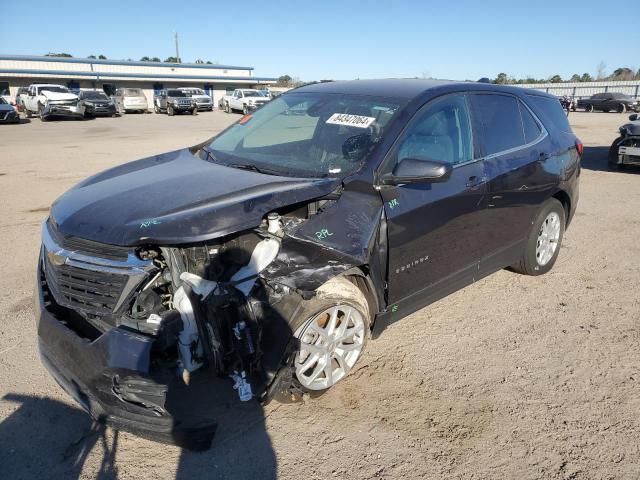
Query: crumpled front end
160 340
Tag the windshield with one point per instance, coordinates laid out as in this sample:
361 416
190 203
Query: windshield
2 100
133 92
252 93
177 93
55 89
94 95
307 134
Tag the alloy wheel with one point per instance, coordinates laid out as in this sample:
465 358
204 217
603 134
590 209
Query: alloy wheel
330 344
548 238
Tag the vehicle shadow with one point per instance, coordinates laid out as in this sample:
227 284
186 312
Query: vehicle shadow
45 438
596 158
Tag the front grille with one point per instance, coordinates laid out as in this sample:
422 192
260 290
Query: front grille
94 279
87 247
88 291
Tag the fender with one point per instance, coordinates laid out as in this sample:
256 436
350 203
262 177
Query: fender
345 239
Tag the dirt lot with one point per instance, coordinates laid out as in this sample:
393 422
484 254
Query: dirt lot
513 377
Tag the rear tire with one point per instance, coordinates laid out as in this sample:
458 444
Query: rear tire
544 241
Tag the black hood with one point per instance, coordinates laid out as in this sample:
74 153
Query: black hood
176 198
632 128
5 107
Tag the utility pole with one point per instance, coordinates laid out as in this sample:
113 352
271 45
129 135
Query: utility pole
177 50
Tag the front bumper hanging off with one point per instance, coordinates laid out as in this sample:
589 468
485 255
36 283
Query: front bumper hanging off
112 376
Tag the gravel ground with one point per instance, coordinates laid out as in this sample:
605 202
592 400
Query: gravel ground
513 377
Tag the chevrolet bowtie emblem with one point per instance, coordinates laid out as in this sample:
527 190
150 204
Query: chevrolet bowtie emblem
56 258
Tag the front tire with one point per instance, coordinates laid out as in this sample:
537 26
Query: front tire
41 113
227 108
332 330
588 108
543 244
621 108
170 111
245 110
613 153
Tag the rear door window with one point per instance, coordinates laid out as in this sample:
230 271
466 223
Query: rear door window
499 116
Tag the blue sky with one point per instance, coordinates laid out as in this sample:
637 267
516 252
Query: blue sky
332 39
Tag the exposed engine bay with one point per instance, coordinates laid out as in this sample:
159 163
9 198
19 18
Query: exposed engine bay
207 305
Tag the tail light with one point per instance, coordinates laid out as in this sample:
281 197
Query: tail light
579 147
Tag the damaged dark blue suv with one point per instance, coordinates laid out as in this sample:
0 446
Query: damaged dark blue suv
257 264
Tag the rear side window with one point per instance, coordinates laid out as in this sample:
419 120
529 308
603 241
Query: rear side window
550 112
531 128
500 119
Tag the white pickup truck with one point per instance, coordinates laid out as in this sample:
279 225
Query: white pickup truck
47 100
244 99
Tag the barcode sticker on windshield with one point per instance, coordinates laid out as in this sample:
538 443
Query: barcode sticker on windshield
350 120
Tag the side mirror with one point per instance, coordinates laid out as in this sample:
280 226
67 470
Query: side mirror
418 170
633 117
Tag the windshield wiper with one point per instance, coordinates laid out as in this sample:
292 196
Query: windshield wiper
253 168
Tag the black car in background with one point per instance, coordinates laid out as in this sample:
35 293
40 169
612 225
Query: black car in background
625 150
8 114
606 102
257 264
96 103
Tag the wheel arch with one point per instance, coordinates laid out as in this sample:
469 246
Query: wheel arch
565 199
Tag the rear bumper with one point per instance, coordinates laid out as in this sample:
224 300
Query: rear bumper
114 378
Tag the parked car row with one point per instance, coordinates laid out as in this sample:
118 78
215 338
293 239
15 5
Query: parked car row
50 100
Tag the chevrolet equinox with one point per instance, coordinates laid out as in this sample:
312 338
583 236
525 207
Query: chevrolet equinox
257 264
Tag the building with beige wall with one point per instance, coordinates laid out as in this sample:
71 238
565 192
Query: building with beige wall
21 70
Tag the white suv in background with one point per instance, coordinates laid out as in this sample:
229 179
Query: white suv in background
130 100
203 101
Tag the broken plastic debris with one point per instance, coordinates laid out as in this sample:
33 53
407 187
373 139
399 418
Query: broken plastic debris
242 386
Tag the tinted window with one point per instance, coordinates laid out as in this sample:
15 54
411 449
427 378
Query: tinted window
529 125
500 119
442 132
622 96
550 112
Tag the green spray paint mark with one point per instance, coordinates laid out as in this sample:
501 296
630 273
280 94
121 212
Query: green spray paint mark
148 223
322 234
394 308
393 203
